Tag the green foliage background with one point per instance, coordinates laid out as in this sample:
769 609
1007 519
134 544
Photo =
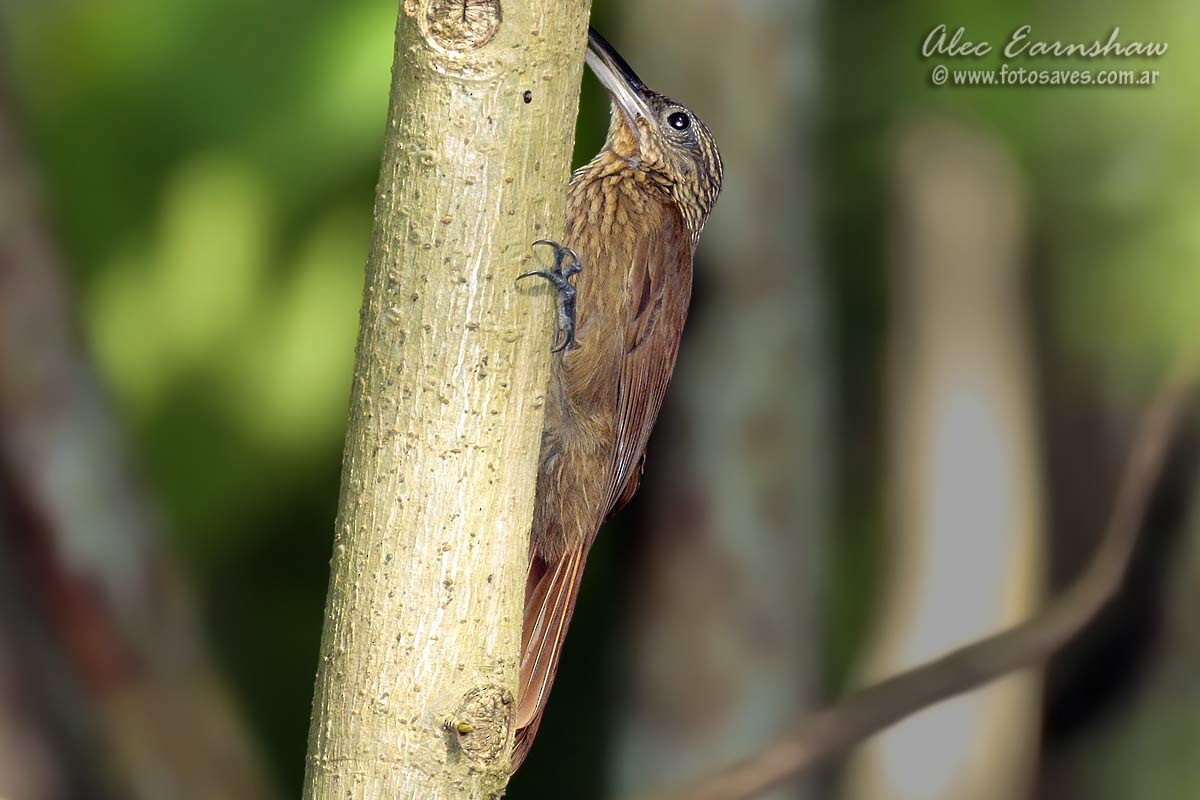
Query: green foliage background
210 168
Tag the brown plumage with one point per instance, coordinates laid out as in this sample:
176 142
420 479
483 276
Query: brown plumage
635 213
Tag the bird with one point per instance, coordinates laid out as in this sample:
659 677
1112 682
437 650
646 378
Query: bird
634 217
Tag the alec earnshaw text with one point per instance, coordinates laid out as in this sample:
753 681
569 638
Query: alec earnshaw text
1021 44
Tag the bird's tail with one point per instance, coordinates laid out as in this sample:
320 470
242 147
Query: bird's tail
550 592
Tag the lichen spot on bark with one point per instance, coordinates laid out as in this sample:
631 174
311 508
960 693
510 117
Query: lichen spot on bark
483 723
461 25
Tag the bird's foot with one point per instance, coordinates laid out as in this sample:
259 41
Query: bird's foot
560 279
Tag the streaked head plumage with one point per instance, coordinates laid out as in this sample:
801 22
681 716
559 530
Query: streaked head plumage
660 136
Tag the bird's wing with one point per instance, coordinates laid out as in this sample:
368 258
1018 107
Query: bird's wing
660 288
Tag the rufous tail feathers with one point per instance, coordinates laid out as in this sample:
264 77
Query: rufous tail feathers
550 593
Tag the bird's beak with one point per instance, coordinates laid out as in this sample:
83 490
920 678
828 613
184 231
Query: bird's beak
618 77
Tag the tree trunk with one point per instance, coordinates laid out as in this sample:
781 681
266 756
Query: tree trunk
963 469
101 639
415 689
738 481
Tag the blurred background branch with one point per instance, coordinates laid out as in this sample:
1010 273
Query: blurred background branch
828 733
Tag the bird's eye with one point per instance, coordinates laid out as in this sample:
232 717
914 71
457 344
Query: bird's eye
679 121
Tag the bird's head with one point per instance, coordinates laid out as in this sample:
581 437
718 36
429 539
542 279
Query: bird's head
659 136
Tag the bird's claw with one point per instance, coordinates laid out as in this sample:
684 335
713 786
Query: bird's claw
560 279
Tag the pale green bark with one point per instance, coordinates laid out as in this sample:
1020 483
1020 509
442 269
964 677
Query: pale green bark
415 690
